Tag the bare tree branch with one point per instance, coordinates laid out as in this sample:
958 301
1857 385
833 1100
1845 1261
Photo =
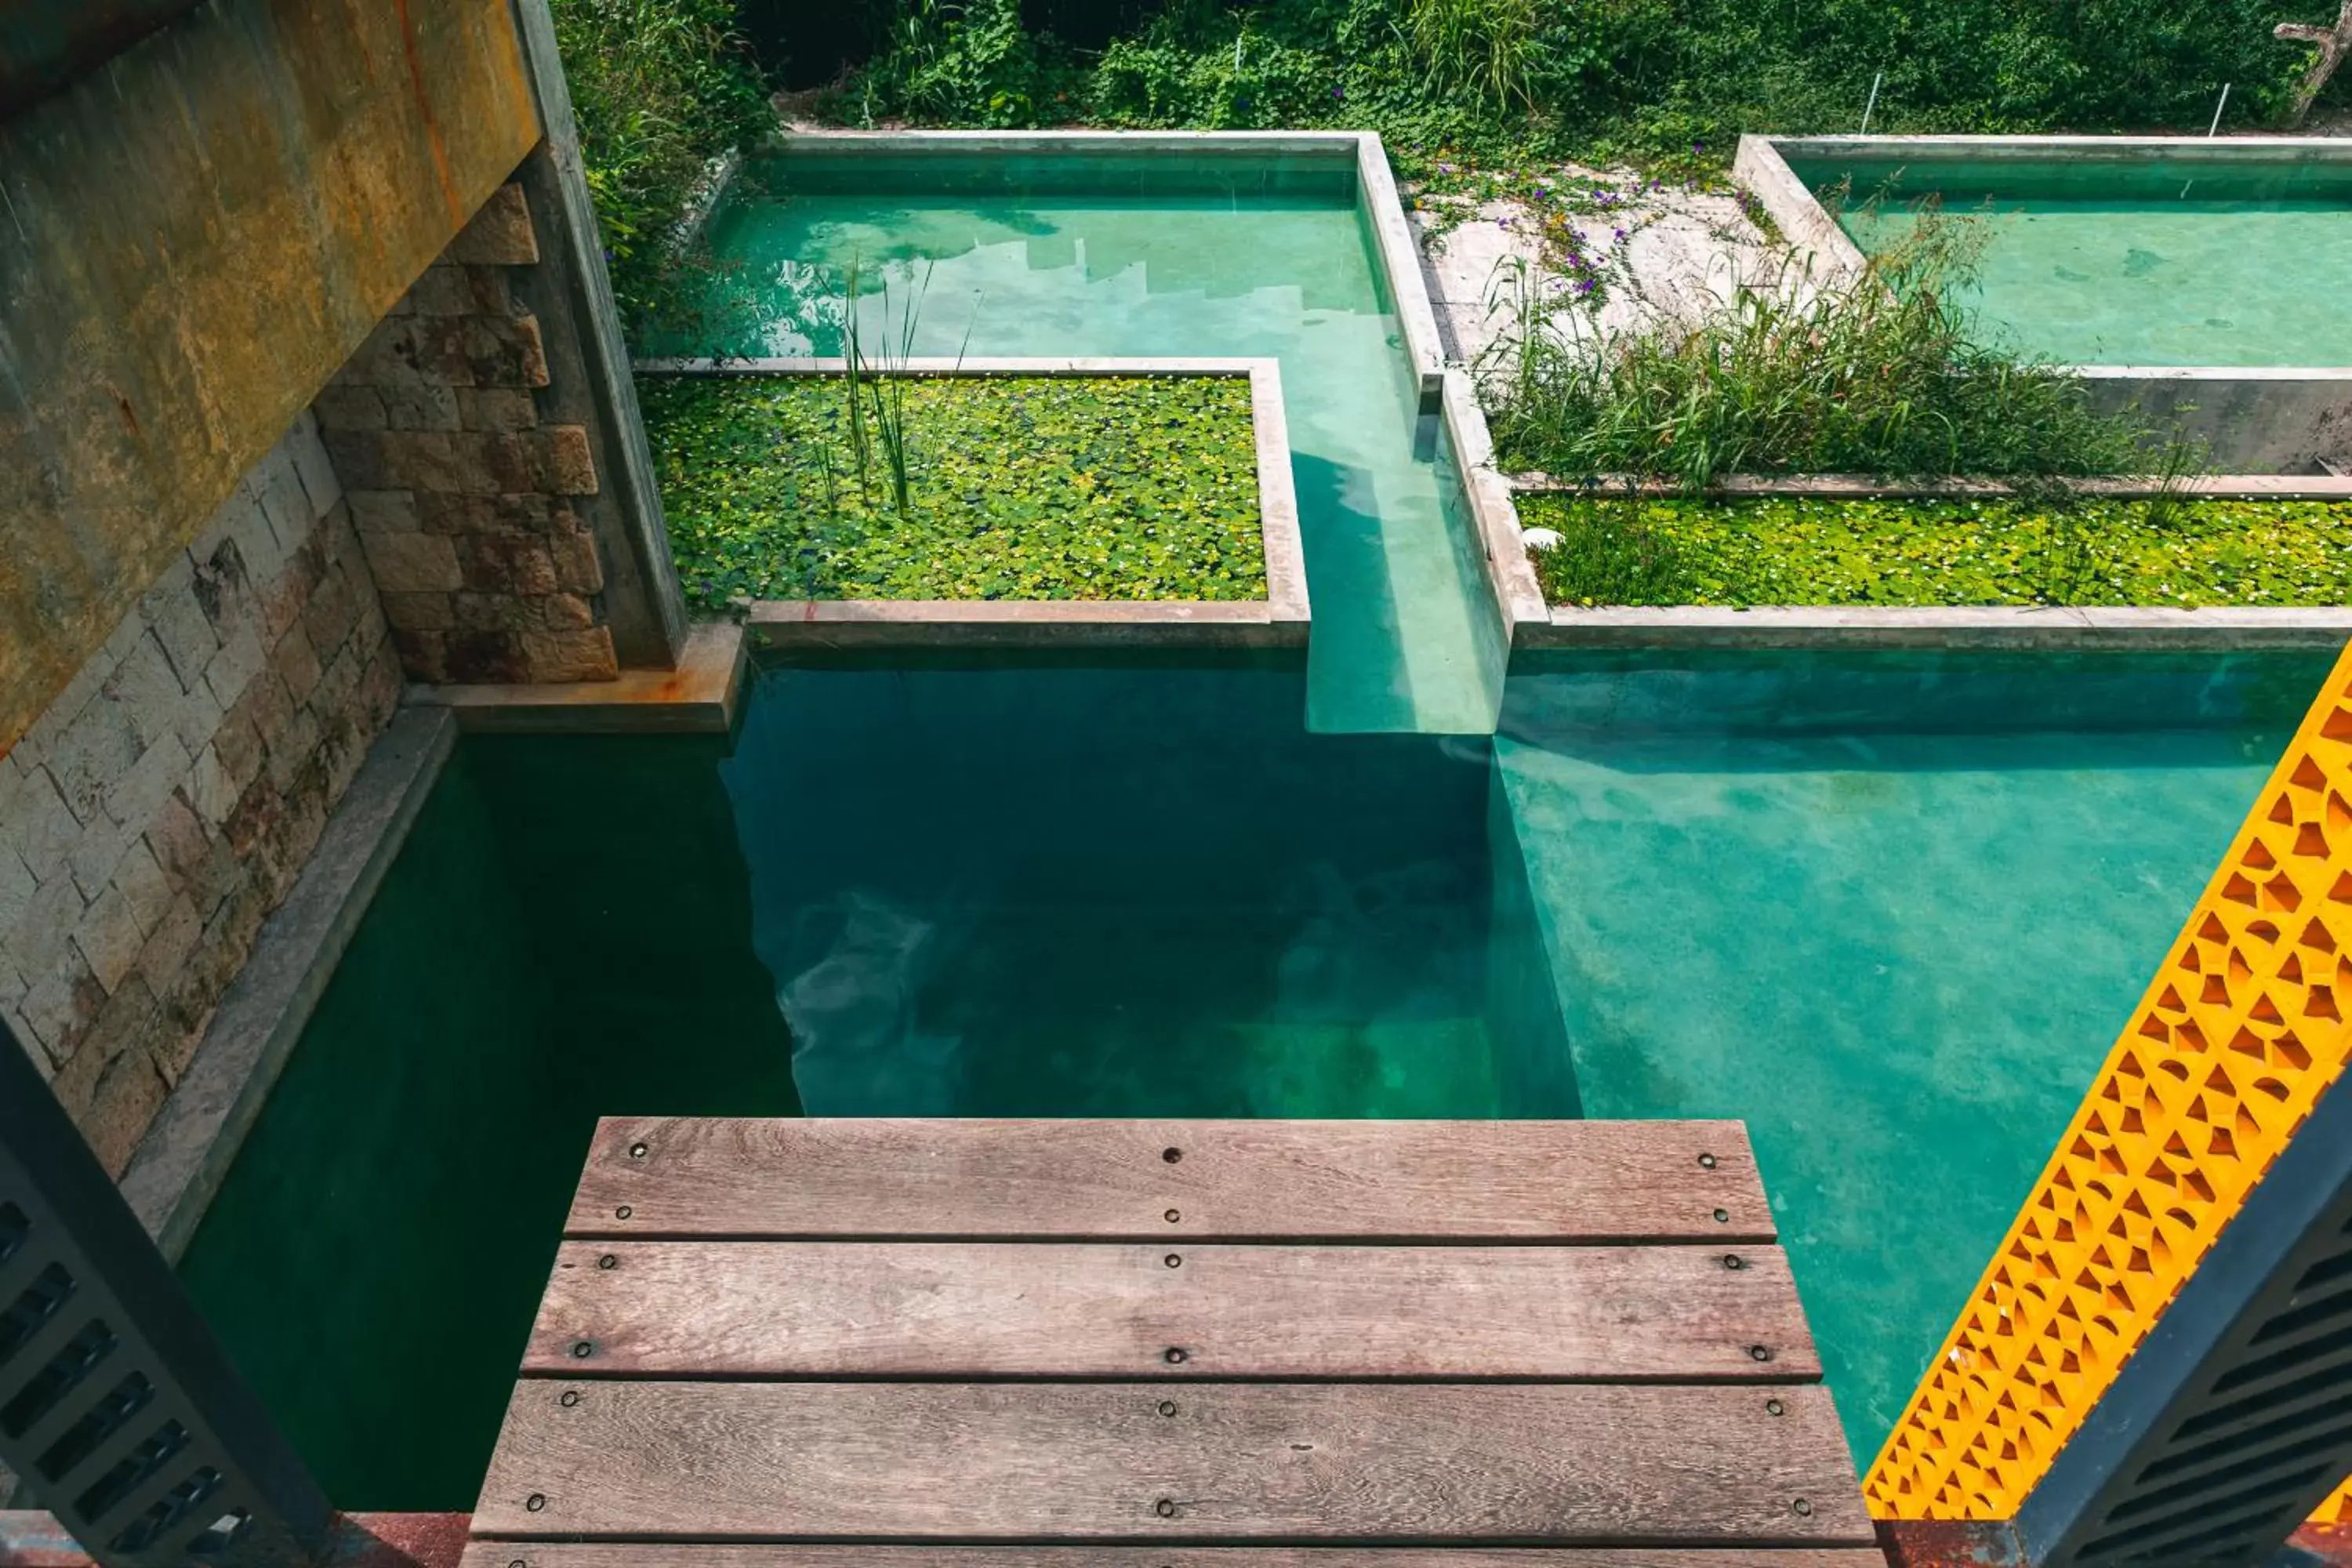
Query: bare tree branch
2333 44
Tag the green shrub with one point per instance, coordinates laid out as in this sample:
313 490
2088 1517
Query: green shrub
659 88
1875 373
1790 550
1665 82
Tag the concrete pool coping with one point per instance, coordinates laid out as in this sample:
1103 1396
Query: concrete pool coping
1446 395
1282 618
2042 627
2275 418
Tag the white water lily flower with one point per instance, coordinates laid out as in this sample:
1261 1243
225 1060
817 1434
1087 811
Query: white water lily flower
1540 537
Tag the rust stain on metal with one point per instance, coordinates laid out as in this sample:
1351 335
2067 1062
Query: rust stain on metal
204 235
1949 1543
416 89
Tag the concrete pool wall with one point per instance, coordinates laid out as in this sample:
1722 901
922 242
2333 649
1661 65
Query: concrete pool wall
2277 418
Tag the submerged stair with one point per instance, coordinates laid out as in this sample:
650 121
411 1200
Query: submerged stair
923 1343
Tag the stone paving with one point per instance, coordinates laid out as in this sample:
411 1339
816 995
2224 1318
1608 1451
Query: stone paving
1657 251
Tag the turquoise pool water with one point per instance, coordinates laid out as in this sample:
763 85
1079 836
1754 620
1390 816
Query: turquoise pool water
2165 262
1233 253
1891 910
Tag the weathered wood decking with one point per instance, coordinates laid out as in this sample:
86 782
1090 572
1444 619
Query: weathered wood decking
1261 1344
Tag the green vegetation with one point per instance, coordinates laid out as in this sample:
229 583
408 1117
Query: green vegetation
1671 81
1878 375
659 88
1625 549
971 487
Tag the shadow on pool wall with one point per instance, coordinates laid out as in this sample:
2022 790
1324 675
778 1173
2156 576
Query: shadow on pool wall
562 937
1044 888
1891 910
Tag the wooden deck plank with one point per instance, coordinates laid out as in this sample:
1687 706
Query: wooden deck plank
1396 1464
698 1309
1426 1181
501 1555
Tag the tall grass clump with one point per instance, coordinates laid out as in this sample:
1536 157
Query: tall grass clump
659 88
1482 47
1879 373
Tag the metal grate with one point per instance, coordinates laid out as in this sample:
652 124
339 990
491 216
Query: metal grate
117 1408
2234 1418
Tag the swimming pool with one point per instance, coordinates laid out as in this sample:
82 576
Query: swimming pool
1891 910
2094 256
1213 247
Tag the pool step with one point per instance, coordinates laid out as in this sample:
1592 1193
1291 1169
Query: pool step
934 1342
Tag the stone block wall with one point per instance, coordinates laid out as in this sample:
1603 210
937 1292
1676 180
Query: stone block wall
463 494
165 801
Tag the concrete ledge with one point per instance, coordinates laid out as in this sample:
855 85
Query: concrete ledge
1510 575
2111 149
1866 487
1022 624
700 697
1759 168
1991 626
1399 257
188 1150
1281 617
969 364
1332 143
1513 596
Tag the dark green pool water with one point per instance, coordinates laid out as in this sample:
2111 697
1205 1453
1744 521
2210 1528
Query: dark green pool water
1891 910
1039 890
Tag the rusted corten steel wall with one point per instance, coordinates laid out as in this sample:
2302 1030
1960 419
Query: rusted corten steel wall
193 238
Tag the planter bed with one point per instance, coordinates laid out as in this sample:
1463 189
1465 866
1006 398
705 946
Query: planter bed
1805 550
1047 500
2232 563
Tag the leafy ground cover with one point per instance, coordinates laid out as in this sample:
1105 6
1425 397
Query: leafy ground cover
1618 550
1014 488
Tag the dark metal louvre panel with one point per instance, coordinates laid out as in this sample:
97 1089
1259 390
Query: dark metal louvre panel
2234 1418
115 1405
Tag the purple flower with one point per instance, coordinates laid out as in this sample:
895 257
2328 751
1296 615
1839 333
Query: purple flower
1619 233
1337 93
1584 285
